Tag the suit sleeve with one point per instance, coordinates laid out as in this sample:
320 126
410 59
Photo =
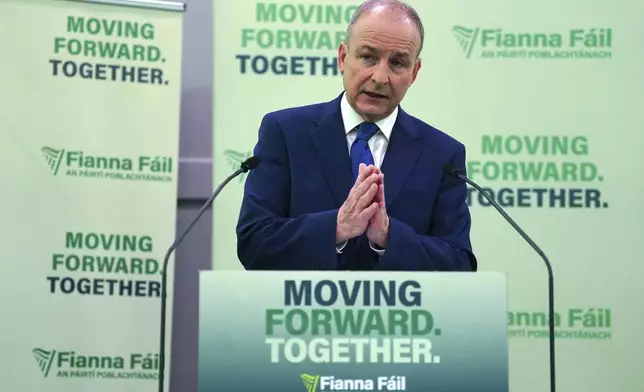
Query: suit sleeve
267 237
447 246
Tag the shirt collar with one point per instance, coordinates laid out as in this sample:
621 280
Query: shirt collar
352 119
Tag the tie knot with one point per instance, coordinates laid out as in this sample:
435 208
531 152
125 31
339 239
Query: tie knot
366 130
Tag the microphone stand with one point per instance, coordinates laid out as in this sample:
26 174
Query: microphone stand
247 165
551 313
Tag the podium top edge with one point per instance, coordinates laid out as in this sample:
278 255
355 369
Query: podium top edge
342 272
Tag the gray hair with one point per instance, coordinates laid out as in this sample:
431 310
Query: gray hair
370 5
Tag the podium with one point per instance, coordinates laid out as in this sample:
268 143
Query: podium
353 331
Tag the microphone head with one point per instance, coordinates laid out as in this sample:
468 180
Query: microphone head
250 164
449 169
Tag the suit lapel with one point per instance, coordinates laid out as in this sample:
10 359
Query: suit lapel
330 144
401 156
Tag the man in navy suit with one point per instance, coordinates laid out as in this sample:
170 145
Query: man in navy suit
357 183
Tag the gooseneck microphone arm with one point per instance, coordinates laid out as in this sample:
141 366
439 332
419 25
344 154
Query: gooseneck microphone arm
246 166
454 172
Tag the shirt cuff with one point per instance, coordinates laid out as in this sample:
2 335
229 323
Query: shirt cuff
376 248
340 247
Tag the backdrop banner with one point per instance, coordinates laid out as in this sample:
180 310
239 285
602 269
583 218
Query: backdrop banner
544 97
89 138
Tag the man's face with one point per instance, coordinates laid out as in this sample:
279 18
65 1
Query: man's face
380 63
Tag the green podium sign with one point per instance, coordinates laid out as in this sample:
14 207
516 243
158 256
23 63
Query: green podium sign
353 331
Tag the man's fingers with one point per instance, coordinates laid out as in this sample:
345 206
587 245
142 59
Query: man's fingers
362 168
368 212
367 197
356 193
366 184
367 175
364 172
380 195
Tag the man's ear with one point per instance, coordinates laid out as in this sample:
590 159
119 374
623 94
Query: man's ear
416 69
342 55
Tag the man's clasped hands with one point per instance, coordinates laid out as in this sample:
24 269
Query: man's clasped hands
364 209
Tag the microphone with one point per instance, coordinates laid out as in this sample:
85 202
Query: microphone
450 170
245 166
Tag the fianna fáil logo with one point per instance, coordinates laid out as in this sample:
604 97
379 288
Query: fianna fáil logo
73 364
466 38
318 383
235 158
310 381
500 44
44 359
570 324
53 157
86 165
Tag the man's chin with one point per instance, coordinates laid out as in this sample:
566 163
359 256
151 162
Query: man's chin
372 109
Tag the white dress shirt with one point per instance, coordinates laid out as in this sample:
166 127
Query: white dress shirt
377 144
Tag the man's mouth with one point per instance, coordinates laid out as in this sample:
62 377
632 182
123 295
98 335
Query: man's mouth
374 95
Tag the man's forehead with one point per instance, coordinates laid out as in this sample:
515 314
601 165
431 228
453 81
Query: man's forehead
387 15
378 23
372 48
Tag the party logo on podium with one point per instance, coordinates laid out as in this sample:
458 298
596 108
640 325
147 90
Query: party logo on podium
318 383
310 381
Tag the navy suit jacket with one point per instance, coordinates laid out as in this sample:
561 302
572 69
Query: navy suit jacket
291 200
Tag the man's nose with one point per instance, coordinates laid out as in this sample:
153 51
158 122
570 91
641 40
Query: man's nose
380 74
